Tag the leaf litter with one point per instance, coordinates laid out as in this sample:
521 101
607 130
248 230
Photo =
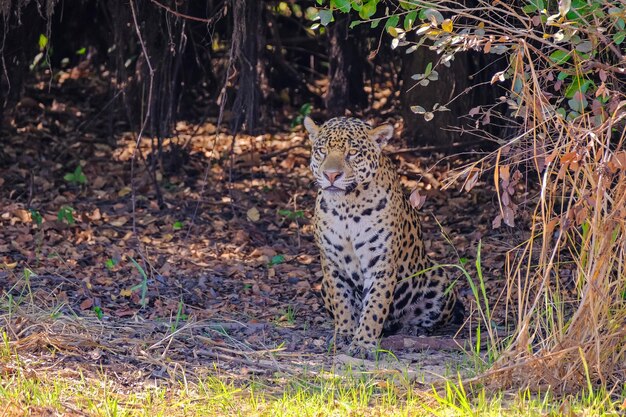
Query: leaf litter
224 276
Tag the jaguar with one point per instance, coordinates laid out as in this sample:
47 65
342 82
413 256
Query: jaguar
377 275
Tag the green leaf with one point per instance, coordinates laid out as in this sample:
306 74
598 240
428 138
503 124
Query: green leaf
428 69
81 51
355 23
586 227
43 41
277 259
577 84
375 23
177 225
99 312
65 213
36 216
560 57
529 8
578 103
326 16
392 21
618 38
76 177
540 4
343 5
409 20
578 9
110 263
356 6
305 109
291 214
368 9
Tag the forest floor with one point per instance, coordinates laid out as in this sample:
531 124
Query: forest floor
100 281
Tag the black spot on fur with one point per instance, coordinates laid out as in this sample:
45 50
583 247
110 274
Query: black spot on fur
403 301
381 204
323 205
373 261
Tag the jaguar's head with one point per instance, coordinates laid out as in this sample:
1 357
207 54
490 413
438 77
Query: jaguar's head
345 152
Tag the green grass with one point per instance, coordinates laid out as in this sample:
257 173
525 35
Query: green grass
60 391
52 378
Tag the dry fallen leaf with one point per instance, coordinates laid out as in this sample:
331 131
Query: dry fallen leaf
126 292
95 215
124 191
471 181
497 222
86 304
417 200
509 216
119 222
253 214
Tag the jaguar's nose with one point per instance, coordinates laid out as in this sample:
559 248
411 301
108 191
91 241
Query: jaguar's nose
332 176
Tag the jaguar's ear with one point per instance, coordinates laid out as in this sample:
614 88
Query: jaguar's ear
311 127
381 135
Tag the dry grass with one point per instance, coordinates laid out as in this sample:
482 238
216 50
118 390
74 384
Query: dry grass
569 339
567 282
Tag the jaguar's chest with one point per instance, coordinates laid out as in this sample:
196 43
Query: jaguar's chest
353 232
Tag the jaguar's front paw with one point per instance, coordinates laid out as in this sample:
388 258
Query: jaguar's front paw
338 341
363 350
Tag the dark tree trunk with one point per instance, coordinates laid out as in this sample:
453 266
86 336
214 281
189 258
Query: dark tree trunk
346 69
248 40
20 27
463 73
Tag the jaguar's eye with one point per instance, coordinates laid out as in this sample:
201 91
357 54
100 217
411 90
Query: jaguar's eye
320 150
352 152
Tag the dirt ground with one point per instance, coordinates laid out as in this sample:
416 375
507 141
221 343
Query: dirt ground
223 276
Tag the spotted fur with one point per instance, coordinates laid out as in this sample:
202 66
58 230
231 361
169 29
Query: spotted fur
370 239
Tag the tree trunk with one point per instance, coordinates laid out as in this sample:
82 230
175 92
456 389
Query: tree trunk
345 88
248 40
21 23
